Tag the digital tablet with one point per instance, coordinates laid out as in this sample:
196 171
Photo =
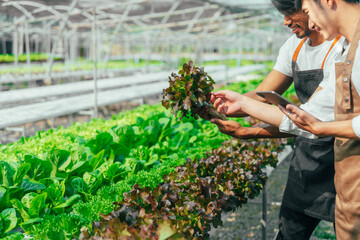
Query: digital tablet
274 98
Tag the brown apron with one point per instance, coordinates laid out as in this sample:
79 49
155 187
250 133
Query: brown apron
347 151
310 186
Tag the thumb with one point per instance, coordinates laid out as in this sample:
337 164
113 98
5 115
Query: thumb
216 121
284 110
293 108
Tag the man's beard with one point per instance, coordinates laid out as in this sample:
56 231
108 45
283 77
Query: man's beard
306 33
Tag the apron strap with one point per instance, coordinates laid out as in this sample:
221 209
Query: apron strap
348 65
296 53
333 44
353 46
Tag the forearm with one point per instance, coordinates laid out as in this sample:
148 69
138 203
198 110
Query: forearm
274 81
252 95
263 131
262 111
338 129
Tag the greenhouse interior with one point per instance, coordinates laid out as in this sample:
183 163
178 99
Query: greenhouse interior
92 148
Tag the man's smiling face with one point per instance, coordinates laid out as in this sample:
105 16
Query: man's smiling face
319 18
298 22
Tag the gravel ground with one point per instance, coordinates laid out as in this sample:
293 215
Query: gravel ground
244 223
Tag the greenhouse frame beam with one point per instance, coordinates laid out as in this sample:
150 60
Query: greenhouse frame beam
165 20
86 13
20 8
149 16
171 11
115 33
58 16
136 19
38 8
216 16
59 36
190 26
199 46
187 22
220 25
152 46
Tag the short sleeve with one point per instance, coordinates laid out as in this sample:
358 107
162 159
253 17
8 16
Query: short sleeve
356 125
284 59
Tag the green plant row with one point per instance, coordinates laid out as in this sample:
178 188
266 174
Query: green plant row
67 170
81 65
83 169
190 200
34 57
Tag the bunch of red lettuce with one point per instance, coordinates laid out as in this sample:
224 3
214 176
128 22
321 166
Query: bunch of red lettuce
189 93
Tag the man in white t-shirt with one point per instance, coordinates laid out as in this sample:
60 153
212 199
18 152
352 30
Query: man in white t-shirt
310 193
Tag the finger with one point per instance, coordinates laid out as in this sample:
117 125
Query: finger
294 117
292 108
218 122
217 103
295 111
222 109
284 110
218 93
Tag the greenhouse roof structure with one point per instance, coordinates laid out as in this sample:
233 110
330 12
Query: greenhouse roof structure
69 26
132 15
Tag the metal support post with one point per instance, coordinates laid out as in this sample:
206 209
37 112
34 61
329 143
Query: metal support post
66 52
127 48
21 40
96 113
149 52
4 45
27 46
74 45
115 34
37 43
264 212
15 43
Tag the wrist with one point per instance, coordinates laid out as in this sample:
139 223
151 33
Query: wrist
240 102
319 129
245 132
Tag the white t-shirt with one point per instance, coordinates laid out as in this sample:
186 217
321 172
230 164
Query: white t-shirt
322 104
309 57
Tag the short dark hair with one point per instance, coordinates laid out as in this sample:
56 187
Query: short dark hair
298 3
285 7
